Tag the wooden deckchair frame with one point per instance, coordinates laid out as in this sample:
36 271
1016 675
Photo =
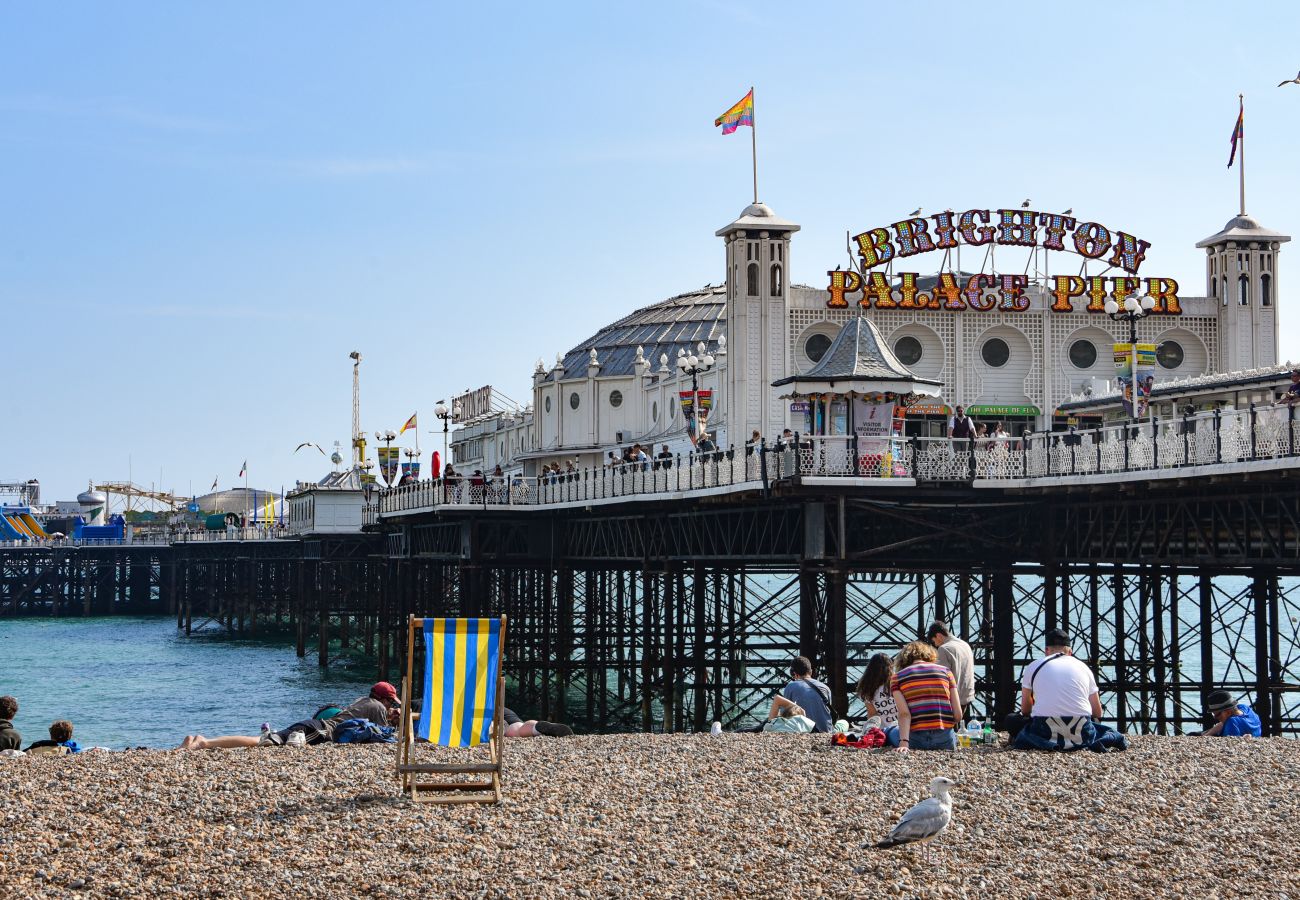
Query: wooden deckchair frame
446 789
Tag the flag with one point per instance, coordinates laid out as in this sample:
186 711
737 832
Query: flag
410 423
1238 131
243 469
740 114
214 483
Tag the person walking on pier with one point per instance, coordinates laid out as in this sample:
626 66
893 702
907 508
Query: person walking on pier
961 426
807 692
1232 719
10 739
956 654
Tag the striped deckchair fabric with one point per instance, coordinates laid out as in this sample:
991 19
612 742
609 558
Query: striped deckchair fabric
462 658
460 704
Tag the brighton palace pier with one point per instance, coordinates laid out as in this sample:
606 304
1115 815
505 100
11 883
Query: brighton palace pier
671 592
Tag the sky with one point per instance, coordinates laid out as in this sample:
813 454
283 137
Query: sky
205 207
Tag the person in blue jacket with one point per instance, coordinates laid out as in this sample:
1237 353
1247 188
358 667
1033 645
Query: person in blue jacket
60 736
1233 719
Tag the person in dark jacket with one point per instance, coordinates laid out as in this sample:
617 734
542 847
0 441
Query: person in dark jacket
60 736
10 739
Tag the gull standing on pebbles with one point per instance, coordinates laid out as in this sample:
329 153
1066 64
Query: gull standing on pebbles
926 820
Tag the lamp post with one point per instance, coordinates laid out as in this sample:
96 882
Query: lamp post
387 437
1134 308
694 365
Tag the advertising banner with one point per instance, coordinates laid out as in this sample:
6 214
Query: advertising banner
1136 403
874 425
697 420
411 470
389 458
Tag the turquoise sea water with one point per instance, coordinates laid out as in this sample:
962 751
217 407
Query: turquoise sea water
137 681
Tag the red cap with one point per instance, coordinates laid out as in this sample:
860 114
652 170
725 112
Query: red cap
382 690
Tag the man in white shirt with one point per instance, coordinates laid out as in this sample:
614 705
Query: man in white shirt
957 655
1058 685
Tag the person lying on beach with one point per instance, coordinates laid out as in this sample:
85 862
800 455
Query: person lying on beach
381 706
790 719
60 736
517 727
10 739
1232 719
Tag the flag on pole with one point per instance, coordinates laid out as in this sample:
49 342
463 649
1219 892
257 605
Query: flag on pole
410 423
214 483
740 114
1237 131
243 469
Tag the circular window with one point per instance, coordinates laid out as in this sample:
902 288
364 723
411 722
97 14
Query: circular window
547 404
816 346
574 400
616 399
1169 354
1083 354
654 410
995 352
908 350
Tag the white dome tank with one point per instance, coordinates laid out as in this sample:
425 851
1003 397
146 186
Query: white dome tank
94 506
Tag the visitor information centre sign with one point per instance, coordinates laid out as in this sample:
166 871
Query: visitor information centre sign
984 291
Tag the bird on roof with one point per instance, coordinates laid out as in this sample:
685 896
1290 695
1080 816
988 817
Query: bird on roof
915 212
1069 212
1295 80
308 444
926 820
1025 205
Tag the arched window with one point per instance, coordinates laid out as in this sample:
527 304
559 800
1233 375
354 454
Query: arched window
1225 290
752 285
1266 290
776 281
1243 290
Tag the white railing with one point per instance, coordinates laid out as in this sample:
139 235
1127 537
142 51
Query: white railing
1208 439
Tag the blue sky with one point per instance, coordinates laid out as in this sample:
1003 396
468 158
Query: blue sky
206 207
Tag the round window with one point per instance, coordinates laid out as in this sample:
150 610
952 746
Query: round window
1169 354
546 404
1083 354
995 352
908 350
574 400
816 346
616 399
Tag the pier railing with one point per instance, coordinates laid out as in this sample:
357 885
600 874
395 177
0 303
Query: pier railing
1151 447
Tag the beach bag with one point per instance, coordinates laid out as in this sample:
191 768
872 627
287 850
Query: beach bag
363 731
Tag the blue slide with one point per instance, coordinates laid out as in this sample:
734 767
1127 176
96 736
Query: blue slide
8 532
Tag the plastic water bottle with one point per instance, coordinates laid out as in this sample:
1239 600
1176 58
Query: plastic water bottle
297 740
716 729
990 737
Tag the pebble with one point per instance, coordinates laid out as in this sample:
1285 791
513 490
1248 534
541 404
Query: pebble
653 815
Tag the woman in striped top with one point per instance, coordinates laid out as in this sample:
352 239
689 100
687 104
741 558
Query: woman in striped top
926 696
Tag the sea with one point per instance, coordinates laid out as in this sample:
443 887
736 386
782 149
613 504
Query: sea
127 681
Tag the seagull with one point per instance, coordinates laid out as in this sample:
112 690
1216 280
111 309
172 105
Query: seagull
1295 80
1068 212
1025 205
308 444
915 212
926 820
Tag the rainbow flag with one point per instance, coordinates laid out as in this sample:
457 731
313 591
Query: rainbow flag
1238 131
410 423
740 114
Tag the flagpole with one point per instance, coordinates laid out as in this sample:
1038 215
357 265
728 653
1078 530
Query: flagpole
1241 166
753 143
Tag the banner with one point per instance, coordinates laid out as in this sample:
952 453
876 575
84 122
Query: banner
874 425
389 458
411 470
1146 376
697 421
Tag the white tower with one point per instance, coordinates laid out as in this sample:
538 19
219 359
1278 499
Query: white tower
758 302
1241 277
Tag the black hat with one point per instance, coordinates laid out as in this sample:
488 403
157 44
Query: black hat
1056 637
1218 701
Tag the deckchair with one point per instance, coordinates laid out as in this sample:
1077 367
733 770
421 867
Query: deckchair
462 700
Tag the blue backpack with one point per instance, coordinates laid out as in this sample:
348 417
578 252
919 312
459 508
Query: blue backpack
363 731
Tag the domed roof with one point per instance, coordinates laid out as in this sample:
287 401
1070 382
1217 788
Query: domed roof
1243 228
758 211
758 217
664 327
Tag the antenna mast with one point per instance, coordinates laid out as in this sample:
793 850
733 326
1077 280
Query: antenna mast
358 436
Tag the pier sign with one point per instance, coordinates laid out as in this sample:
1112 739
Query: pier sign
985 291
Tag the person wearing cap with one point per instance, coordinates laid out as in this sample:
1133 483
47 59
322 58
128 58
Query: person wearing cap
1232 719
1059 697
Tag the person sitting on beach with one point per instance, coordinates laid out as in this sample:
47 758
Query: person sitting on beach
380 706
873 690
10 739
1059 695
956 654
790 719
929 706
806 692
1232 719
60 736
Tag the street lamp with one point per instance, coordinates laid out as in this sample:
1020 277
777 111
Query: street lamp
1134 308
447 415
694 365
386 463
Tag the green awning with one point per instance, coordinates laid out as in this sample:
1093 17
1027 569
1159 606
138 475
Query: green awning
1002 411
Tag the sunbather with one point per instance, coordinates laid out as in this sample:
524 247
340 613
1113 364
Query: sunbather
381 706
517 727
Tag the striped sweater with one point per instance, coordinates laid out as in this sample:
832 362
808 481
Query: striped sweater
927 689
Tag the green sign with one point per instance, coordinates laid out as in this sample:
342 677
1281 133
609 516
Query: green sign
1002 410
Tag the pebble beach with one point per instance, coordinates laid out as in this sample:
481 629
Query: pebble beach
656 816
